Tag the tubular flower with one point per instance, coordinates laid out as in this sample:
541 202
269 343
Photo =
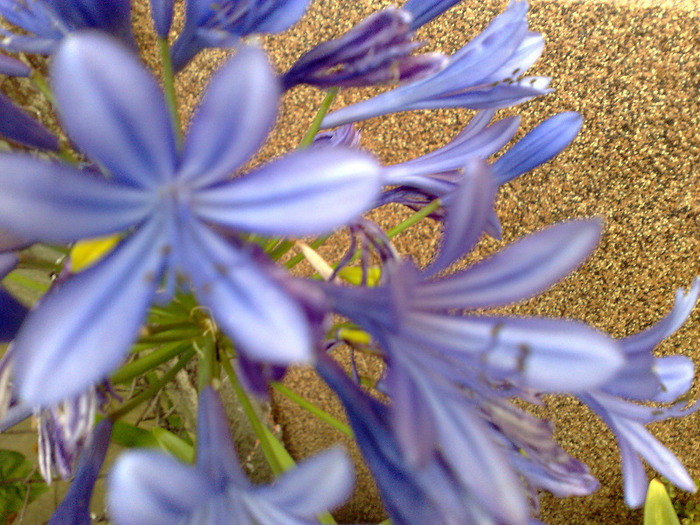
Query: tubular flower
648 379
148 487
49 21
424 11
182 209
375 51
478 76
443 369
224 23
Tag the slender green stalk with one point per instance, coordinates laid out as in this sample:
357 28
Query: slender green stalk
172 336
153 329
316 124
208 369
151 390
255 422
148 362
420 214
42 86
310 407
283 247
169 88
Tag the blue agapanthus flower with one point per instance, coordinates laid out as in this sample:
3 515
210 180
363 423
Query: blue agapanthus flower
484 74
447 373
181 212
223 23
648 379
46 22
147 487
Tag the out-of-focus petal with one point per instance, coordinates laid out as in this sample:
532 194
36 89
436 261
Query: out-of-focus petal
13 68
216 456
57 203
537 147
518 271
12 314
424 11
88 323
234 117
147 487
75 507
319 483
162 15
305 193
19 127
95 79
250 307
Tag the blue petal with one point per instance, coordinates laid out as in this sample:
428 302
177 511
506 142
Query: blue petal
12 314
454 155
19 127
643 342
322 482
544 354
216 455
162 15
424 11
95 79
305 193
75 507
66 204
468 447
82 330
147 487
250 307
520 270
13 67
233 119
537 147
676 374
467 211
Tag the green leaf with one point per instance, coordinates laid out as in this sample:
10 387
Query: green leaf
15 480
658 509
174 445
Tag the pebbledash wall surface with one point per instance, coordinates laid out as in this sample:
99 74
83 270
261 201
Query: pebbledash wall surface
631 69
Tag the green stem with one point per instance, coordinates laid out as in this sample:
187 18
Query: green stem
310 407
420 214
151 390
148 362
316 124
42 86
255 422
169 337
153 329
169 88
207 363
